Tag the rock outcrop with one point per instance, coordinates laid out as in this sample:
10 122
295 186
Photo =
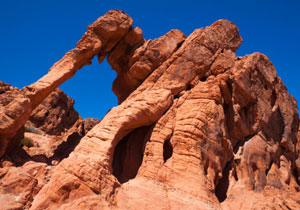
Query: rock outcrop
100 38
196 127
55 114
52 132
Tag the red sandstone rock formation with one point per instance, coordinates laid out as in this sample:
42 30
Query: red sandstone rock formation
55 114
196 128
54 128
100 38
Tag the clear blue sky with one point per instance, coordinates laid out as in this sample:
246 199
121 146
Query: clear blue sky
35 34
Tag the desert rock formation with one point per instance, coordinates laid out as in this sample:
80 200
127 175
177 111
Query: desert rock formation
196 128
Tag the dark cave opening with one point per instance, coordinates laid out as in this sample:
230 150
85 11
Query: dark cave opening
203 79
223 184
168 150
129 153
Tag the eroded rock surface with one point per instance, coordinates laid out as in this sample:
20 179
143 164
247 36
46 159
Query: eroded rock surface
52 132
99 39
55 114
197 128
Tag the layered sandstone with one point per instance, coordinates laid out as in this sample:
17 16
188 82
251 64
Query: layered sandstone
54 129
197 127
100 38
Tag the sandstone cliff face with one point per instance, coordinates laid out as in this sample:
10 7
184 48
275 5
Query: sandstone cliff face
197 127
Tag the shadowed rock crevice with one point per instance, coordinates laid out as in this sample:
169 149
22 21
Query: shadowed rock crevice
129 152
275 128
66 147
203 79
223 184
240 144
167 150
273 98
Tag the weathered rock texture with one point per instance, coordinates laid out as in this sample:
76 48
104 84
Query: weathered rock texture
54 129
100 38
196 128
55 114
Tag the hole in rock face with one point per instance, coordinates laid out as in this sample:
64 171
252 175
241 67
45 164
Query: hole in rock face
203 79
273 98
168 150
223 184
129 153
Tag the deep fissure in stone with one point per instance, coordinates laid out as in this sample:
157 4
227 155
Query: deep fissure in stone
168 150
223 184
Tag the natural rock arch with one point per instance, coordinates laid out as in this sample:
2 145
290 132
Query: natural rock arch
198 114
100 38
